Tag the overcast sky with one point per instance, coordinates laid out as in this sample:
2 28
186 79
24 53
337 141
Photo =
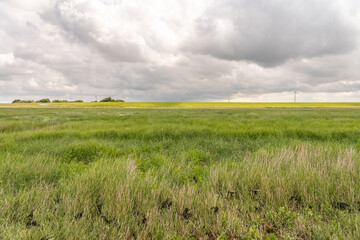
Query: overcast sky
180 50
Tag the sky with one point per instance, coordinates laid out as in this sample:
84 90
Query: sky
180 50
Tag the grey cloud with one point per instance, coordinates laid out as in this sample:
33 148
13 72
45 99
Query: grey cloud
269 32
26 53
330 69
238 48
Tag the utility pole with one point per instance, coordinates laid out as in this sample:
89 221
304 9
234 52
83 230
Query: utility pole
294 96
96 98
229 97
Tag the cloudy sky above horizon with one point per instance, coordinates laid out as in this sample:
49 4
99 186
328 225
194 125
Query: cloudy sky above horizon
180 50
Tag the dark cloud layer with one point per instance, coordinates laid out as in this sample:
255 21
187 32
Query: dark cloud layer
180 50
269 32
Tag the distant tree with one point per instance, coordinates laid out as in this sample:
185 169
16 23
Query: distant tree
22 101
109 99
44 100
59 101
78 101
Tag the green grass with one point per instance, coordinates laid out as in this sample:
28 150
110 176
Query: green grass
172 173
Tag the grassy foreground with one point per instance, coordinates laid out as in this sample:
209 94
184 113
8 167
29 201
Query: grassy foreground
117 173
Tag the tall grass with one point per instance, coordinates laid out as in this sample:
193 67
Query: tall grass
180 174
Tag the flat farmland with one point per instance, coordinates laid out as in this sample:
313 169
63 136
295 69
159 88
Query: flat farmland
202 105
180 171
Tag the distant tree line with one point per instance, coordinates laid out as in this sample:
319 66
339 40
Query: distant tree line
22 101
47 100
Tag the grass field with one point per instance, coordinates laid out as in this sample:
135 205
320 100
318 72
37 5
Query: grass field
135 173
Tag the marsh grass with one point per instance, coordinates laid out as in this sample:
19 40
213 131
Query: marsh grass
180 174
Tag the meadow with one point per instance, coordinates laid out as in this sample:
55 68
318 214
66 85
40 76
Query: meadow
180 173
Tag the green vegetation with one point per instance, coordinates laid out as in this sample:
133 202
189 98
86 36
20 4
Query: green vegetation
120 173
22 101
109 99
44 100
